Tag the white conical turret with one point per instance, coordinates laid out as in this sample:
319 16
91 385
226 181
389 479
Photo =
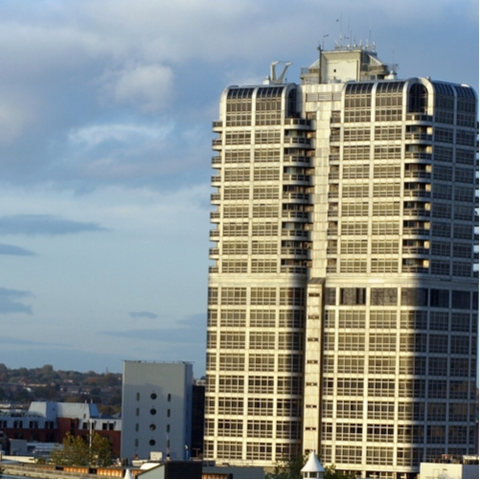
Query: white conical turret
313 468
128 473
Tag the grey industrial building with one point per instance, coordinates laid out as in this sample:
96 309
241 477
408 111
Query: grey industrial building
156 410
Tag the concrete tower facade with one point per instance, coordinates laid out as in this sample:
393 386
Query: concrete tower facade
156 410
343 302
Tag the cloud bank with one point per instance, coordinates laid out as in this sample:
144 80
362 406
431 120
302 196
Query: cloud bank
44 225
6 249
149 315
10 301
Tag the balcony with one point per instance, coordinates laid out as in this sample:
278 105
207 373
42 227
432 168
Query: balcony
296 159
424 232
296 179
418 117
217 125
414 212
298 123
299 142
287 269
419 136
217 144
216 160
215 216
294 214
294 233
296 252
214 252
215 197
303 197
336 117
415 251
418 156
213 269
216 179
417 193
214 233
418 174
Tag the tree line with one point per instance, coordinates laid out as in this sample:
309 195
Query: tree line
24 385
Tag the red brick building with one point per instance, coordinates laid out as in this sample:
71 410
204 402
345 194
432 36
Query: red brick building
51 421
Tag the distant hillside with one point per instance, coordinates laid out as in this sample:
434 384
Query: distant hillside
24 385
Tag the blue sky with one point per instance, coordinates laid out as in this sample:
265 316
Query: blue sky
105 135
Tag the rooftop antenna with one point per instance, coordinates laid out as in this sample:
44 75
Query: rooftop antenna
319 64
323 41
341 30
349 32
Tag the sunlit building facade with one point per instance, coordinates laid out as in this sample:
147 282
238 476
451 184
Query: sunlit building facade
343 300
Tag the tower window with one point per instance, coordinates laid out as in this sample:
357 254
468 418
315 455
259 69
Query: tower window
418 99
353 296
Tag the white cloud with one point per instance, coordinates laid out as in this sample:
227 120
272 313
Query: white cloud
15 116
146 87
94 135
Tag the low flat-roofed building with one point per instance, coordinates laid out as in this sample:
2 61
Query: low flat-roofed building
450 471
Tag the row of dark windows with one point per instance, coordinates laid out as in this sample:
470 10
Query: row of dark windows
418 95
262 92
415 297
33 424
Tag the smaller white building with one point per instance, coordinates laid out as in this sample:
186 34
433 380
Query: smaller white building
467 469
156 409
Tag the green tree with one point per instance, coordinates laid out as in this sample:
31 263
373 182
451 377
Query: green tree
73 451
290 468
100 451
76 451
331 472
